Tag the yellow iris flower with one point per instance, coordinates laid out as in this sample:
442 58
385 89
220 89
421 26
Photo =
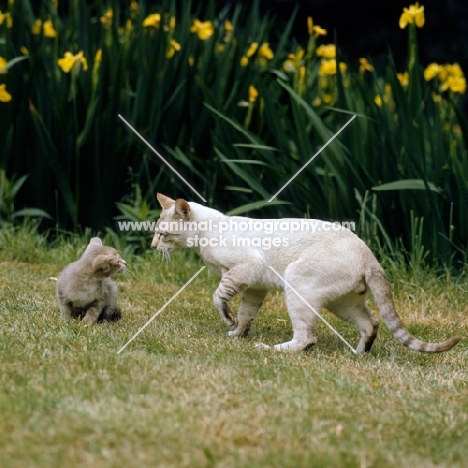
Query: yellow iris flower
364 66
204 29
252 49
450 75
264 51
431 71
69 61
386 97
106 18
6 18
5 96
173 48
153 21
228 27
326 51
328 67
3 63
319 31
49 30
403 78
456 84
314 29
413 14
253 93
294 61
36 28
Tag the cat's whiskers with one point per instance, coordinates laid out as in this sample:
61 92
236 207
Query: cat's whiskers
127 273
166 256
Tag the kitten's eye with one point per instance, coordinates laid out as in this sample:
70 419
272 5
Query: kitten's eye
162 234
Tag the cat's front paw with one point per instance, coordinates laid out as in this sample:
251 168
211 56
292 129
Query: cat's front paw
262 346
231 323
239 331
88 321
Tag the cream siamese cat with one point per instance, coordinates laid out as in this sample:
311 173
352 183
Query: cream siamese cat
327 268
84 289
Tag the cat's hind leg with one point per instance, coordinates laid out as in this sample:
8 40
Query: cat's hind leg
111 314
252 300
355 311
303 319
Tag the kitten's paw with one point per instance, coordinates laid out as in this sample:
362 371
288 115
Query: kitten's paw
88 322
262 346
112 314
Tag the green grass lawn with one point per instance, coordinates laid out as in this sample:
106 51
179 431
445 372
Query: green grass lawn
183 394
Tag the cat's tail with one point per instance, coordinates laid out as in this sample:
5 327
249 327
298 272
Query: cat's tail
380 287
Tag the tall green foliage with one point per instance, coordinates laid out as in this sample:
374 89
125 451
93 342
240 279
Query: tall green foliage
238 110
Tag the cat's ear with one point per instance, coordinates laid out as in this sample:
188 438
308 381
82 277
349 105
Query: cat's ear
96 241
164 201
182 208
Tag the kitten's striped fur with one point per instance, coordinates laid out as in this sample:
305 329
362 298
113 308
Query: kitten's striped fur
330 269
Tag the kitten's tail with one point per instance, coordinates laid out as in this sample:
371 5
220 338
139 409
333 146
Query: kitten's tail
380 287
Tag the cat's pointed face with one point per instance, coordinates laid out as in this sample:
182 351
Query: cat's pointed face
169 233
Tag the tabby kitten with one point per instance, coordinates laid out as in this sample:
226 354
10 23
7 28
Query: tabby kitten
84 289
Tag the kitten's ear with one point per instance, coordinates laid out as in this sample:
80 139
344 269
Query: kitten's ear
164 201
182 208
95 240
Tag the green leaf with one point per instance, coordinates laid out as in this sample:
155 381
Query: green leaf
244 161
259 147
254 206
32 213
18 184
252 182
12 62
238 189
407 184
